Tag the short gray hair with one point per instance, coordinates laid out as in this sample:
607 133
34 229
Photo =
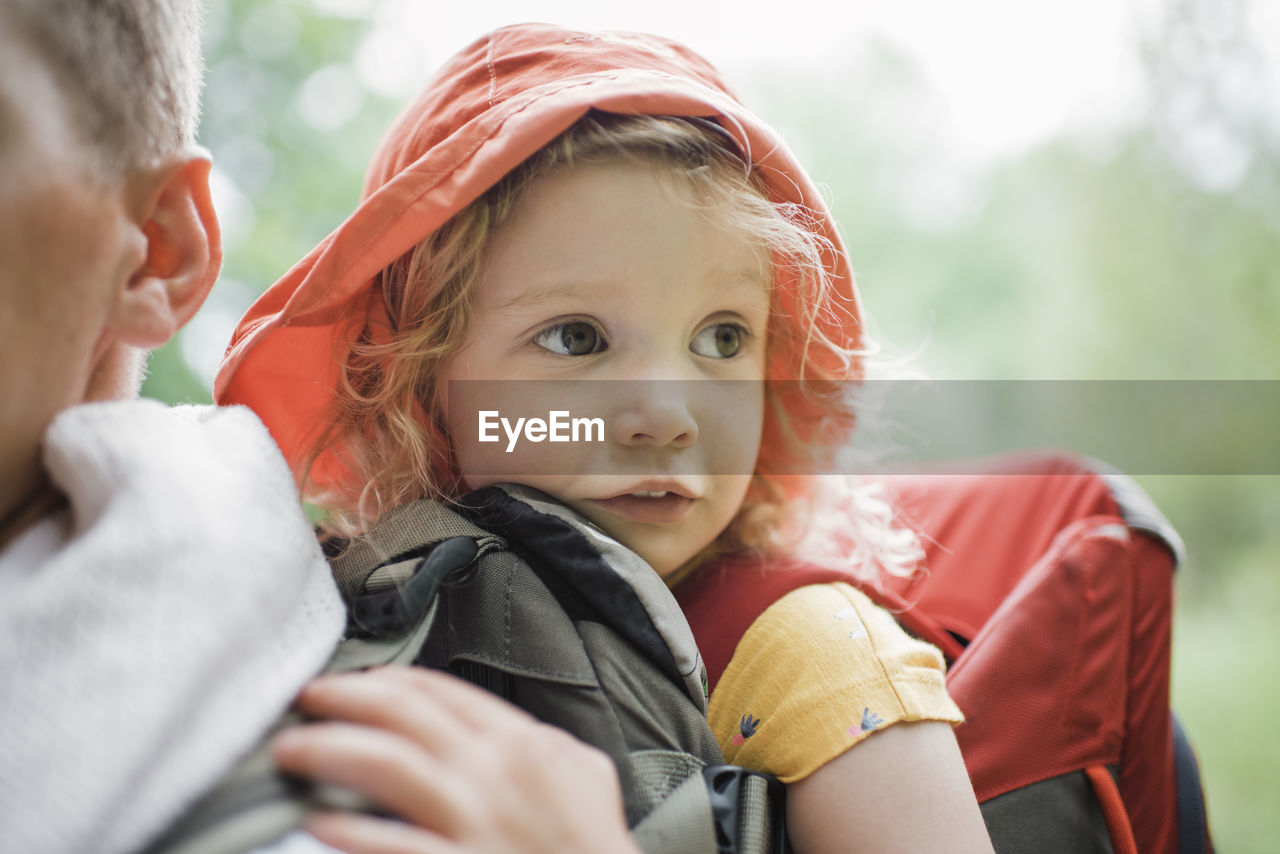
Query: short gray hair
131 68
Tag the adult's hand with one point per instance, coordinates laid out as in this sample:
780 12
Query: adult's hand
466 771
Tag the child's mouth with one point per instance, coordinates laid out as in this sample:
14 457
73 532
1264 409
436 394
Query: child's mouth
648 506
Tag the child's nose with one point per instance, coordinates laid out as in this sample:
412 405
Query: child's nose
656 414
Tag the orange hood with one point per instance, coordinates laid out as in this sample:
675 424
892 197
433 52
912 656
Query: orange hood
487 110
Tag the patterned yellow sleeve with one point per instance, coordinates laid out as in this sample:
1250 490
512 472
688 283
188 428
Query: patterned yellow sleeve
817 672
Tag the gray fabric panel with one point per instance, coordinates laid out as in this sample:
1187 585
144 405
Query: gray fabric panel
681 824
503 600
654 713
585 712
663 609
1060 815
400 530
660 772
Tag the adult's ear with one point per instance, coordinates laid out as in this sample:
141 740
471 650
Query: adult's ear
172 205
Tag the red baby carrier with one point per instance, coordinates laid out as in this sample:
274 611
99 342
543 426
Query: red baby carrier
1049 591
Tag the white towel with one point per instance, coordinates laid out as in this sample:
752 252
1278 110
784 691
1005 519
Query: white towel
154 629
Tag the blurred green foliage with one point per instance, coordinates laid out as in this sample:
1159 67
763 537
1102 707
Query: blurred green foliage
1133 253
274 70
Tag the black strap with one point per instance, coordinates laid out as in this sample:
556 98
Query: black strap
391 612
1193 824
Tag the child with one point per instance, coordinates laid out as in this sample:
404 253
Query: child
570 206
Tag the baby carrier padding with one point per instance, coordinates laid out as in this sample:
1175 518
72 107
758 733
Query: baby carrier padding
1049 590
516 593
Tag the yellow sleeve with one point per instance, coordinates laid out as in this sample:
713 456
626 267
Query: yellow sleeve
817 672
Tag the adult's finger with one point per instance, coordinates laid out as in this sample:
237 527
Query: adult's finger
465 702
392 771
391 699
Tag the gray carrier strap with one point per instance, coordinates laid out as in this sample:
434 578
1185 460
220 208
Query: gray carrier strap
650 591
375 561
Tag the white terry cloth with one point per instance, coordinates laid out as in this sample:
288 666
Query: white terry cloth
155 629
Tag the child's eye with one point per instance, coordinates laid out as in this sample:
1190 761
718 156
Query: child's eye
575 338
719 340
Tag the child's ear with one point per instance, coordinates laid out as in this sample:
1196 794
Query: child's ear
174 209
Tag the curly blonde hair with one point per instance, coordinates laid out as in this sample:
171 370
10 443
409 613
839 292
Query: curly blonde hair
387 431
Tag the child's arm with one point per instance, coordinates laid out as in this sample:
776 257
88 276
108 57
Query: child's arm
903 789
828 693
467 771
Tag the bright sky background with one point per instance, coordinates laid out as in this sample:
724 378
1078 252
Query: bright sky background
1009 73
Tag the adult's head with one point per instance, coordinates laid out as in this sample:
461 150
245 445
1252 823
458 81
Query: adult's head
108 239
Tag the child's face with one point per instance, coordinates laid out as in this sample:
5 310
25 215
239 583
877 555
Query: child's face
601 273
